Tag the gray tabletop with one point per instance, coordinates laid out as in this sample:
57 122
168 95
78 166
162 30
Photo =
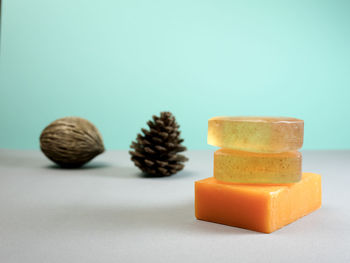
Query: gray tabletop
107 212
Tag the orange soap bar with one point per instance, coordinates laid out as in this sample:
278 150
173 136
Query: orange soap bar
248 167
263 208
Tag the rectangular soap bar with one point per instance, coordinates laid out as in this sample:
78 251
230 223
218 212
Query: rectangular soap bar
263 208
249 167
256 134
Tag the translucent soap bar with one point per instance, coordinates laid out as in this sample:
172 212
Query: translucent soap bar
248 167
256 134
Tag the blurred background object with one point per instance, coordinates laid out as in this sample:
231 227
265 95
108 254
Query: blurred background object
71 142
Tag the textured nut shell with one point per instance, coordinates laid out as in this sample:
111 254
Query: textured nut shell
71 141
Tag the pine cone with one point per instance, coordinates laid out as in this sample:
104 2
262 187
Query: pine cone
156 152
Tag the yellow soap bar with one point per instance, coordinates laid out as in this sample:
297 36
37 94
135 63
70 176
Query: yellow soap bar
256 134
249 167
263 208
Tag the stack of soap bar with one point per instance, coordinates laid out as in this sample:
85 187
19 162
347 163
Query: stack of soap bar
258 183
257 149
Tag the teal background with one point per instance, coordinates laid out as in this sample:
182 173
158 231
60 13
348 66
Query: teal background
118 62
